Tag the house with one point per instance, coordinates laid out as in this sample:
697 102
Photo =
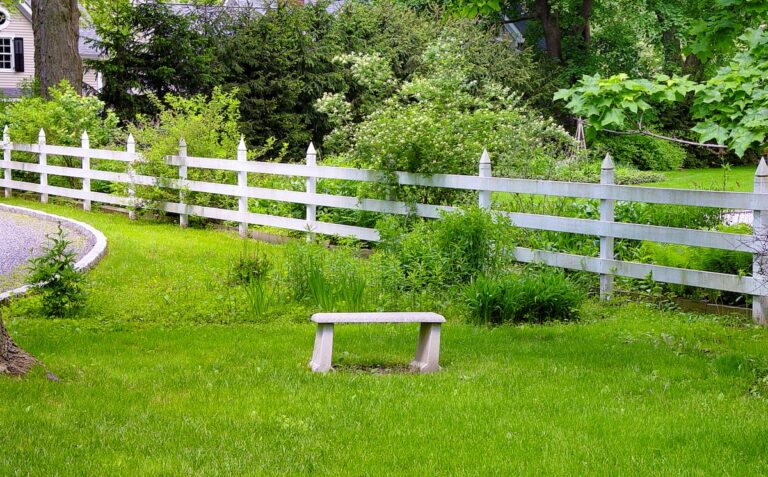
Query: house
17 50
258 6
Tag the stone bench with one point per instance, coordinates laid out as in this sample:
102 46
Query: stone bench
427 350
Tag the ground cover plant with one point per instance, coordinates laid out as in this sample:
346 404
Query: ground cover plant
159 375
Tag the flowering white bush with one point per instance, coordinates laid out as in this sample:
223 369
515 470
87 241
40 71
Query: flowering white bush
441 120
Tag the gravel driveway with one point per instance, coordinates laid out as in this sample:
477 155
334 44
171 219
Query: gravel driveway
23 236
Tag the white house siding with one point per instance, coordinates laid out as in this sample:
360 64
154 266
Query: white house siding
91 78
10 80
19 27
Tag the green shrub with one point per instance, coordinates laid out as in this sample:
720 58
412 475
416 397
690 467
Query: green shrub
627 176
452 250
644 152
473 242
54 274
209 126
534 296
422 263
64 118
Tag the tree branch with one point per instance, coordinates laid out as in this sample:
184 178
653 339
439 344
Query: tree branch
645 132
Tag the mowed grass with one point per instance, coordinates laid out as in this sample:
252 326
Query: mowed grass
734 179
157 383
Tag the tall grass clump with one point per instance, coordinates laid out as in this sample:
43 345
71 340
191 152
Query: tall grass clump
532 296
331 280
251 271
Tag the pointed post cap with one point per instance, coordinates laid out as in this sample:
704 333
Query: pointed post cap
311 149
6 135
41 136
182 142
762 168
485 158
607 162
241 144
84 136
131 140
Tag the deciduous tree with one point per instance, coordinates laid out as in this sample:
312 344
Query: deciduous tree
56 27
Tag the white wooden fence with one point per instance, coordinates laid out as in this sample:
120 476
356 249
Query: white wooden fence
484 183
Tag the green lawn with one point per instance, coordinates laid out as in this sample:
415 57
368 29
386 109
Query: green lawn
163 376
737 178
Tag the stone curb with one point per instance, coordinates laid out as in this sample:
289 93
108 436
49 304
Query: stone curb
88 261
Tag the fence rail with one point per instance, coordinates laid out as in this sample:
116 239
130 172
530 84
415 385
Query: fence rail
606 192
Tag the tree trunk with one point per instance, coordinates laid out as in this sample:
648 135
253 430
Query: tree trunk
56 26
550 22
13 360
672 49
585 29
670 43
692 66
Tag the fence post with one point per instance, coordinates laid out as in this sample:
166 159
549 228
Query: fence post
183 216
43 166
7 146
130 147
485 171
85 144
311 189
607 176
242 183
760 258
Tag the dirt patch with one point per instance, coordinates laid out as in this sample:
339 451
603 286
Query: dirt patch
375 369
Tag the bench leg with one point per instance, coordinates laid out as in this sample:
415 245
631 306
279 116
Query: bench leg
428 349
323 353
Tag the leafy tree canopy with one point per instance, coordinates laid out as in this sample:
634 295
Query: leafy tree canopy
730 108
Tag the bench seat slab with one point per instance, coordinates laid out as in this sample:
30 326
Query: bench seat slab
384 317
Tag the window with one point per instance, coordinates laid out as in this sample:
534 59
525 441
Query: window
6 54
5 18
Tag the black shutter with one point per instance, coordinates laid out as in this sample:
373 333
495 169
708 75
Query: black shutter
18 54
